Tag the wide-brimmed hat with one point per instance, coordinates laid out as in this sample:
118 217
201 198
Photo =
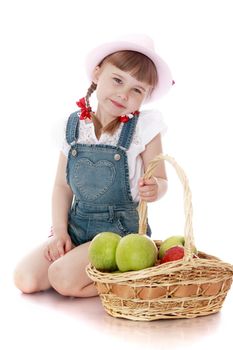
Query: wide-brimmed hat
136 42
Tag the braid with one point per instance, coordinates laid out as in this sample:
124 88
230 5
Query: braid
111 127
97 124
91 89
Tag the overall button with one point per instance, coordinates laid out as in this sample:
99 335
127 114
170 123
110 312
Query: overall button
117 156
74 152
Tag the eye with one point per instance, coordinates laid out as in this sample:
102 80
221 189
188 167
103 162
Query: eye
118 81
138 91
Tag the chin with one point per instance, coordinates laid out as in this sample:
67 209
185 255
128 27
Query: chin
113 110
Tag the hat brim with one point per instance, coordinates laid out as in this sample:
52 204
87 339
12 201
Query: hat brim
165 80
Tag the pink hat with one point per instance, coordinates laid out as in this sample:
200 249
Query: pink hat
140 43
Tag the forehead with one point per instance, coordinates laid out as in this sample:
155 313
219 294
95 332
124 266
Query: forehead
111 69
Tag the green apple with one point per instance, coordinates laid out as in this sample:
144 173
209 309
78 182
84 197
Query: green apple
169 243
136 252
102 251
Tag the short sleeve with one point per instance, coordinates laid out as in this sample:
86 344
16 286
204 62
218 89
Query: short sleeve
150 124
58 136
65 147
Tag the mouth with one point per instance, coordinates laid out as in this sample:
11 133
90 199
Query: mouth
117 104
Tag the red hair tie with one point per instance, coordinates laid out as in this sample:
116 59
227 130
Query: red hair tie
127 117
85 111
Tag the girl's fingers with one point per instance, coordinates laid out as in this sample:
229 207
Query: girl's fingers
150 185
56 249
68 245
53 255
148 194
148 199
141 181
151 181
46 254
60 248
148 188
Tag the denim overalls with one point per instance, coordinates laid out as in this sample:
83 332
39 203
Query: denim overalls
98 175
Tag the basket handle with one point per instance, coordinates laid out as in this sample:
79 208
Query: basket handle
142 207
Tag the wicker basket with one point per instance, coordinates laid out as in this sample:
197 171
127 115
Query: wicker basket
185 288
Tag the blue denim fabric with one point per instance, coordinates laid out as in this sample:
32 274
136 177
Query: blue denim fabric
99 178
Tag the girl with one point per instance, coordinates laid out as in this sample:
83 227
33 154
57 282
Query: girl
99 181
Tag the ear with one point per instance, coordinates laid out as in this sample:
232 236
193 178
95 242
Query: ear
96 74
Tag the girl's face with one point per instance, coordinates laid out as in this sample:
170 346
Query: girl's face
118 93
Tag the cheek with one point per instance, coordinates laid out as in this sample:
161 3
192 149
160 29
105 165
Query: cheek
100 92
136 102
142 99
104 90
98 95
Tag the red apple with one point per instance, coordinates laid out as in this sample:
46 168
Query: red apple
174 253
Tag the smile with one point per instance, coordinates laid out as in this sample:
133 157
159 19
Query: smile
117 104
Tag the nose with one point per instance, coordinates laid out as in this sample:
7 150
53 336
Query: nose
123 94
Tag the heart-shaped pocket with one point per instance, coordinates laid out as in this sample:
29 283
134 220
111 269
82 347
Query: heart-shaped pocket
93 179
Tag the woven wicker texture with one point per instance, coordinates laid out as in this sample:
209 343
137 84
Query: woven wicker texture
184 288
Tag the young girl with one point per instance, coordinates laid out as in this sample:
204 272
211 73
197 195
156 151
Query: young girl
99 180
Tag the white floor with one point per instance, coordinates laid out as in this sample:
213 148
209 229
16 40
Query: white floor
50 321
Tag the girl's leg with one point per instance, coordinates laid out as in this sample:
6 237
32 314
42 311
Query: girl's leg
67 274
31 274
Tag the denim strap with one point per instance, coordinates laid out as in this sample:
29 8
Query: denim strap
72 128
127 133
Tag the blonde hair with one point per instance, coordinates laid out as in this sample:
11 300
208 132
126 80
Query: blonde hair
139 66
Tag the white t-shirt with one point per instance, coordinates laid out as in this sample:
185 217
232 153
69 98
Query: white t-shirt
150 123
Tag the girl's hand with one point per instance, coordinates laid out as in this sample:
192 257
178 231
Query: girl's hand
58 245
148 189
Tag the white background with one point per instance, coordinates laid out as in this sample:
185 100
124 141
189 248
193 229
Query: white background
43 47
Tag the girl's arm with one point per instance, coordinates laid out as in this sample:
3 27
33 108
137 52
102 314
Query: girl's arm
149 190
61 198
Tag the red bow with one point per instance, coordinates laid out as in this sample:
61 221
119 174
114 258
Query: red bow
123 119
85 111
126 118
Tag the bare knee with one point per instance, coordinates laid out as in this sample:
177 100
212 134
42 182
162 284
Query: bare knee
25 281
58 278
62 281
